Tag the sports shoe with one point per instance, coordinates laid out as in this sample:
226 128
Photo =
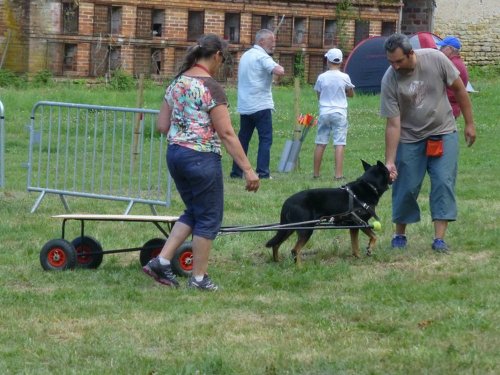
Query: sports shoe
205 284
439 246
161 273
398 241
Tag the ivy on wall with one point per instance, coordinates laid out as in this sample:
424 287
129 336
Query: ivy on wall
343 11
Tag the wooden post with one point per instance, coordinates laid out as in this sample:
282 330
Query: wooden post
137 128
297 130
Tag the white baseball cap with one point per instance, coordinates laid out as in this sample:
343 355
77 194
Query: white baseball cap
334 55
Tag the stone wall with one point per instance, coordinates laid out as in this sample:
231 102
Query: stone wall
476 23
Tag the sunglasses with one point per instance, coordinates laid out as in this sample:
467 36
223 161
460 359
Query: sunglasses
223 57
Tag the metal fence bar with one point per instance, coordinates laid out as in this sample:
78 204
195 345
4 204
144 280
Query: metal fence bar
2 146
98 152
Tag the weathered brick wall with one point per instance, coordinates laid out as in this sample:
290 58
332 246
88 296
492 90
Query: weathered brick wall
129 17
100 22
86 19
417 16
133 41
316 66
142 60
246 36
14 35
83 59
214 22
143 27
176 23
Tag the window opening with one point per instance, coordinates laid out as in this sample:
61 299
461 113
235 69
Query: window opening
267 22
330 33
156 60
69 60
388 28
158 18
195 25
232 27
299 30
116 20
70 18
361 31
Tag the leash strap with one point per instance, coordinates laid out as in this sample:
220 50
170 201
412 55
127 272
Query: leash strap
367 207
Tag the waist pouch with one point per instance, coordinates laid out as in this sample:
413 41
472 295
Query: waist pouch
434 147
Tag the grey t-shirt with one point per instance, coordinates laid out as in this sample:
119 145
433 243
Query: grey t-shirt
419 97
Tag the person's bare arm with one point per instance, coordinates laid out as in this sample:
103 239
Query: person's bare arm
349 91
392 134
279 70
222 125
163 122
465 104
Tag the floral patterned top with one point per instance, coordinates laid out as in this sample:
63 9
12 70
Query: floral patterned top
191 100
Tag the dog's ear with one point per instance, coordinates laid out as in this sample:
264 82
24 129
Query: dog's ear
381 165
365 165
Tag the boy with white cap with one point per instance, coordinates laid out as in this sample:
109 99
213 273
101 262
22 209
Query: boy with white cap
332 87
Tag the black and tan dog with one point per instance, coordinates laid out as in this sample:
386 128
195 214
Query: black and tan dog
349 205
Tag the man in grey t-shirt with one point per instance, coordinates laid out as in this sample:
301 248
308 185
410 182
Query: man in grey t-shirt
421 134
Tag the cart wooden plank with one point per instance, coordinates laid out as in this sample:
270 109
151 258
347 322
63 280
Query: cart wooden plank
134 218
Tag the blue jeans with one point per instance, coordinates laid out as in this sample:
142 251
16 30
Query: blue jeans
412 164
198 179
262 121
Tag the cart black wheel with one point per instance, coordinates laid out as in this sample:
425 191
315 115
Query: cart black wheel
182 262
150 250
88 252
58 255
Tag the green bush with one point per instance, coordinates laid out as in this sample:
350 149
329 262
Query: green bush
121 80
10 79
42 78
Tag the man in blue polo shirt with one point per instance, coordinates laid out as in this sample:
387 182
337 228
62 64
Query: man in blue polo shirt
255 100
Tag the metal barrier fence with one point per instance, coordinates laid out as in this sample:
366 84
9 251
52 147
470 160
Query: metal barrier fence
97 152
2 146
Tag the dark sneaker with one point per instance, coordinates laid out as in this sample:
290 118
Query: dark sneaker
439 246
162 274
398 241
205 284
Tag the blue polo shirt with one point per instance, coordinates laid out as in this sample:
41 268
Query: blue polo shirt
255 79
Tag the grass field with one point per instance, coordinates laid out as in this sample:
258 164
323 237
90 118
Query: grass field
397 312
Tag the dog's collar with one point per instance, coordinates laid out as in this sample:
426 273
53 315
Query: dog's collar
367 207
373 187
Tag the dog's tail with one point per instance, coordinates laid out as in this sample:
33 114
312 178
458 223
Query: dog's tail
279 237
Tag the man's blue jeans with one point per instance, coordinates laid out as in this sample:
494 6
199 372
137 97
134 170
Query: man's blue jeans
262 121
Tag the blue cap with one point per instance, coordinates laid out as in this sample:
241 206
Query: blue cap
450 41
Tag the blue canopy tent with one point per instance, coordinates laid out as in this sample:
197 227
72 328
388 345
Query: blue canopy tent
367 64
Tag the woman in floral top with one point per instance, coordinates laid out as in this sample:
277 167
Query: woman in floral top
195 117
